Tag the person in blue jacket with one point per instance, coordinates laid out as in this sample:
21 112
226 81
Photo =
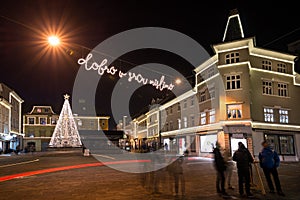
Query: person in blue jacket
269 161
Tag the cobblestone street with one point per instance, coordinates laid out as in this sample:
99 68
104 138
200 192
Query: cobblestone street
102 182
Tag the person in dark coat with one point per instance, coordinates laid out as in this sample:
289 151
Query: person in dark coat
243 160
220 167
269 161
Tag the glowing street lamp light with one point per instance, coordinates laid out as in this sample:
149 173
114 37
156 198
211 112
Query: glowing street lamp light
178 81
53 40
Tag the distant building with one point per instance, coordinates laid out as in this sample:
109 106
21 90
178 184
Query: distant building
10 119
91 122
38 127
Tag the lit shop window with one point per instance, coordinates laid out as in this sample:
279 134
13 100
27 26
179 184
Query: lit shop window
282 144
234 111
267 65
282 89
233 82
283 116
232 58
269 114
267 87
286 144
281 67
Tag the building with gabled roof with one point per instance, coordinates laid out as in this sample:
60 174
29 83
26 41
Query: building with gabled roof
244 93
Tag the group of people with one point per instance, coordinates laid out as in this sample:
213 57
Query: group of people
269 162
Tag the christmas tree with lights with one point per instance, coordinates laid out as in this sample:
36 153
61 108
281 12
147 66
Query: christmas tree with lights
65 133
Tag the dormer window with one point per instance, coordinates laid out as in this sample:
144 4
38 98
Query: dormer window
267 65
281 67
233 57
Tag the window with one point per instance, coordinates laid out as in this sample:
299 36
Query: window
185 122
171 109
171 125
192 143
192 101
203 118
234 111
232 57
283 116
212 116
184 103
286 144
281 67
192 121
43 120
269 114
282 144
30 120
233 82
178 107
267 65
202 96
282 90
53 120
267 87
212 93
179 123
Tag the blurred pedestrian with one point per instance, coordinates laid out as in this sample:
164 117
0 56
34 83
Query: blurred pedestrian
229 168
176 170
269 161
243 160
220 167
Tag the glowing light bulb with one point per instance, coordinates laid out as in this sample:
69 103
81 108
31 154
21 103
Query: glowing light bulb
53 40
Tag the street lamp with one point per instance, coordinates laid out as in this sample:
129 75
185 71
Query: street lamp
53 40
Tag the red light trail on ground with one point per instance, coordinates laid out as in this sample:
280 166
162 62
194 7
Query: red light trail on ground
43 171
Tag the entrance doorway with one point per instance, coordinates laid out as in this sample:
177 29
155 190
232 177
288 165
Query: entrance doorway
234 144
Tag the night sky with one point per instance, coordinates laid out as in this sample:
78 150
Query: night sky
42 76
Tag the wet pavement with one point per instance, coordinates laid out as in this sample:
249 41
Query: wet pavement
91 180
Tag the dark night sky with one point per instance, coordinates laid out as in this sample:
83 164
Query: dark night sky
42 77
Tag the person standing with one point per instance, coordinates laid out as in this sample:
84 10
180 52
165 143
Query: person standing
269 161
229 168
243 160
176 170
220 167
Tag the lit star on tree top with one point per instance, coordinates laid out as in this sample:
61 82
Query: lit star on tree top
66 96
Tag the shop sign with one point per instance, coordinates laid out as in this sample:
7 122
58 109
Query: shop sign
238 135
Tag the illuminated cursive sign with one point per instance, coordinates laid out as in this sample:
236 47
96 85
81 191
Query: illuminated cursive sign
102 68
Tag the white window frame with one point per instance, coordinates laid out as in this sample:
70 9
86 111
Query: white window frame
233 81
269 114
267 87
283 116
232 57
